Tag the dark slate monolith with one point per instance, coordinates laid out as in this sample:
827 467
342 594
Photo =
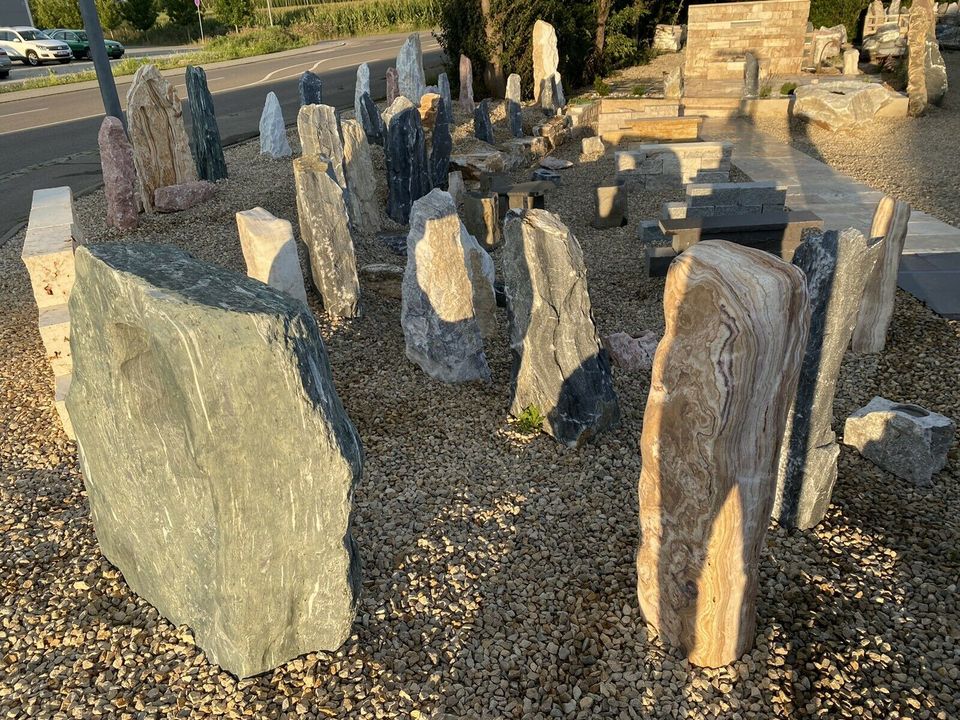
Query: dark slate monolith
442 145
443 84
204 133
482 127
193 392
311 89
408 173
370 120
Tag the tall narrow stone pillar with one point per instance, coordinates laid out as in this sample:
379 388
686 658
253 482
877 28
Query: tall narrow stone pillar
466 84
207 147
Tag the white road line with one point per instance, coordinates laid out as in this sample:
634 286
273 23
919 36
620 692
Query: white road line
23 112
50 124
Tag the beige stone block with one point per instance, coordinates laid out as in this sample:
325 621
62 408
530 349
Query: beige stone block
48 256
61 388
54 326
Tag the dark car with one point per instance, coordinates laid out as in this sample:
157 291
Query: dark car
4 64
77 40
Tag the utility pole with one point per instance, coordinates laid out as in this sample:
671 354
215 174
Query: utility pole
199 17
98 51
270 12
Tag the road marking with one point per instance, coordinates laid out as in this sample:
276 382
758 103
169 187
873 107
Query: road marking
23 112
50 124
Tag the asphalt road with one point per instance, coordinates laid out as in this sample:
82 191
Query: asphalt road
19 71
51 140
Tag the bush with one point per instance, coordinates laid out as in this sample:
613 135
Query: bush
639 90
600 87
233 12
142 14
56 13
787 88
827 13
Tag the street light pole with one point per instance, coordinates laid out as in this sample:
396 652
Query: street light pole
98 52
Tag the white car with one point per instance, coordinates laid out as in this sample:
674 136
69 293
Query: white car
33 47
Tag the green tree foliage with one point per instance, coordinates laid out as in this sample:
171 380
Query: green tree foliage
827 13
111 14
180 12
233 12
56 13
142 14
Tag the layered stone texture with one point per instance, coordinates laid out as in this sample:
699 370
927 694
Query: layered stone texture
361 179
270 251
325 230
408 172
362 86
905 440
310 89
194 392
393 85
273 129
319 128
481 216
666 164
119 175
205 134
466 84
837 266
410 77
161 152
446 290
841 104
558 365
723 376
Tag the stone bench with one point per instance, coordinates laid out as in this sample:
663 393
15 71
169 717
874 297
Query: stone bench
654 165
51 238
677 129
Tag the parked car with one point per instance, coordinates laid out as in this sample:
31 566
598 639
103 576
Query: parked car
32 47
80 46
4 64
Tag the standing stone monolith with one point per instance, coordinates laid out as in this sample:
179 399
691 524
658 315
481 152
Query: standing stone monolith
482 127
513 106
325 230
837 266
610 205
751 75
876 309
207 148
443 84
441 145
408 172
439 314
310 88
466 84
723 376
481 217
161 152
270 251
546 62
119 175
926 71
673 84
559 368
410 76
370 119
851 61
362 86
273 130
319 128
393 85
194 390
360 178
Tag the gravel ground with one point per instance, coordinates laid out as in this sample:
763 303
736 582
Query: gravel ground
498 569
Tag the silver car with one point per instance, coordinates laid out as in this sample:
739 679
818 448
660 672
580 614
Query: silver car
33 47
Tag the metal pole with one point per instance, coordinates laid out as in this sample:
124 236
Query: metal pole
98 52
200 18
270 13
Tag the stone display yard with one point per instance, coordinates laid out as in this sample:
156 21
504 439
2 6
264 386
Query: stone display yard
498 568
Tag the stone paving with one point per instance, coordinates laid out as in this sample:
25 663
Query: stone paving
930 267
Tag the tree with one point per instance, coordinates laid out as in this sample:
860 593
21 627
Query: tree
111 14
180 12
56 13
142 14
233 12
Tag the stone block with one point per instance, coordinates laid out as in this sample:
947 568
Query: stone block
54 325
481 217
270 251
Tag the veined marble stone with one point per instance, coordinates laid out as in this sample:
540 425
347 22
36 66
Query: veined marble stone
455 186
410 74
273 130
482 127
890 223
370 119
360 178
443 87
193 393
270 251
362 86
393 86
673 84
837 266
466 84
439 312
310 88
408 171
319 128
723 376
441 145
513 105
325 230
558 366
546 62
161 152
119 175
207 148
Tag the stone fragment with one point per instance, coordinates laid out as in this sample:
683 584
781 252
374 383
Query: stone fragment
841 104
591 149
325 230
384 279
632 354
455 186
554 163
443 87
205 134
851 61
513 105
723 375
441 146
546 62
751 75
478 162
439 314
429 103
890 223
466 84
905 440
837 266
273 130
926 72
119 175
176 198
362 86
270 251
481 217
195 390
544 175
482 127
673 84
558 367
161 152
669 38
610 205
370 119
408 171
361 179
393 86
320 135
410 76
310 89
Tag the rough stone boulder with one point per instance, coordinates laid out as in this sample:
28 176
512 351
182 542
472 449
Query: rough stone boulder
176 198
841 104
119 175
559 367
218 460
